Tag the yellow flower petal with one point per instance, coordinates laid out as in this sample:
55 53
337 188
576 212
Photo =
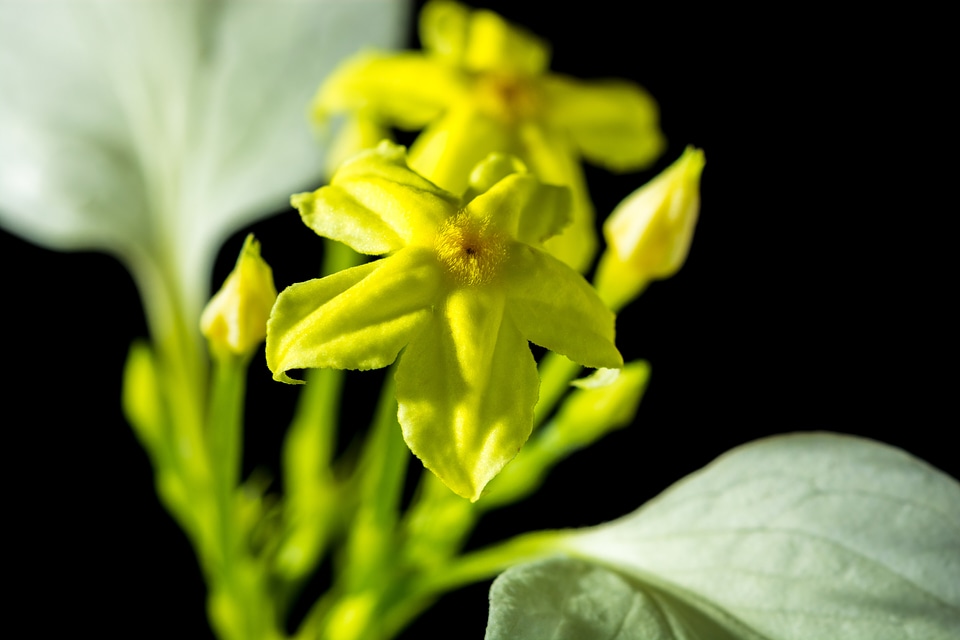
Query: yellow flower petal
449 149
408 90
467 386
480 40
359 318
552 158
376 204
557 309
523 207
614 123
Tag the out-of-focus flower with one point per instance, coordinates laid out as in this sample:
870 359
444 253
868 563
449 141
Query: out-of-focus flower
154 129
464 287
648 235
235 319
481 86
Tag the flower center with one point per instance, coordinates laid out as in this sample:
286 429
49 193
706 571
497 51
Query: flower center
470 249
507 98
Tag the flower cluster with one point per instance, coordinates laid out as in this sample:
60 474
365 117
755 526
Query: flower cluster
481 86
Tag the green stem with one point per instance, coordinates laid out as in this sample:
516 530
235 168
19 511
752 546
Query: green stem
312 495
371 546
180 367
473 567
202 460
369 573
225 424
490 561
309 446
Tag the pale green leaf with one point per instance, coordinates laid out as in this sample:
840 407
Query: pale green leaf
789 538
153 129
570 599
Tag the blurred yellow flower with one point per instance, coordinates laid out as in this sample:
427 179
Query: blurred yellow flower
481 86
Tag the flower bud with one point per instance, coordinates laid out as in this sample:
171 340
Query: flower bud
235 320
648 234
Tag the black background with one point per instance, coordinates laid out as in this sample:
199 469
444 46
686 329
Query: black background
815 298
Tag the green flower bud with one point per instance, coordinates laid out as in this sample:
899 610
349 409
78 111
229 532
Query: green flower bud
649 233
235 319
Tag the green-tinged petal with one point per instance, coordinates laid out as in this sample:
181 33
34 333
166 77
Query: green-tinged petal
556 308
516 201
407 90
358 318
493 44
490 171
551 156
614 123
375 204
447 151
466 386
503 203
480 40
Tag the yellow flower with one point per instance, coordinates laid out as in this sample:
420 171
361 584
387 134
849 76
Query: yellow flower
649 233
465 285
481 86
235 319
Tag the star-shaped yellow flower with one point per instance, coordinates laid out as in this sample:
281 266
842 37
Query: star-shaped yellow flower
464 287
481 86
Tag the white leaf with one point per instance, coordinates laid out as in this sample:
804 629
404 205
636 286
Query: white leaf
791 538
153 129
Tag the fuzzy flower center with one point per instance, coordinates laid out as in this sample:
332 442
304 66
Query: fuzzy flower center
509 99
470 249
